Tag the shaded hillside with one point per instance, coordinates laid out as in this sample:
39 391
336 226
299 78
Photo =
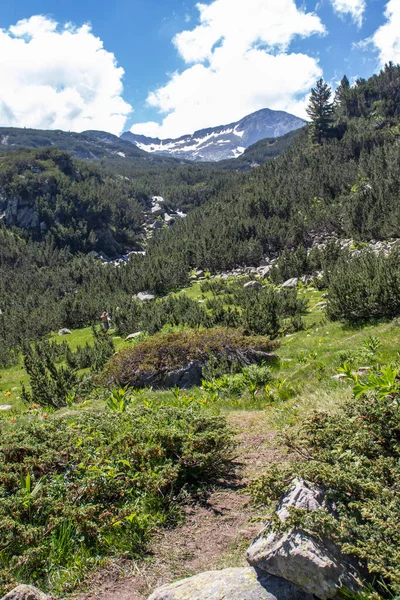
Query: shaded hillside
259 153
45 193
349 185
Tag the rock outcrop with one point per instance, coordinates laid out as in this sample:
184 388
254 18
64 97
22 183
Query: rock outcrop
232 584
317 566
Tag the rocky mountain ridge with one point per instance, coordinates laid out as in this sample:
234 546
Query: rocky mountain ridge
223 142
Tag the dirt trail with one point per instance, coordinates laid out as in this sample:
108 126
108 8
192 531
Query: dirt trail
215 533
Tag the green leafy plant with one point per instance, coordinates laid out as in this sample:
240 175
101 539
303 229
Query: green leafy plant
119 399
385 383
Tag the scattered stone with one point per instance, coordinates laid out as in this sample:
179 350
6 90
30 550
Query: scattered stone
320 305
169 219
362 371
5 407
264 262
302 495
339 376
253 285
144 296
157 210
133 336
318 567
64 331
306 279
199 273
265 271
26 592
232 584
290 283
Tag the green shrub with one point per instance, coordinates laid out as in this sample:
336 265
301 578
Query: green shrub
164 353
364 287
89 485
355 455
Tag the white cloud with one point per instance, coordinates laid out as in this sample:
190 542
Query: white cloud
354 8
56 77
387 38
238 62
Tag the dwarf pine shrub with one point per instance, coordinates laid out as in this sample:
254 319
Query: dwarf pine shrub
161 354
81 487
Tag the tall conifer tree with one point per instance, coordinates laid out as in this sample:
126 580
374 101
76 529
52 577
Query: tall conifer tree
320 110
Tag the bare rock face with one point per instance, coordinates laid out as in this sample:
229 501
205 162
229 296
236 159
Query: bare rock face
317 567
232 584
26 592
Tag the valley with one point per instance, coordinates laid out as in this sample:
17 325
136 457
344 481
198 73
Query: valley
249 379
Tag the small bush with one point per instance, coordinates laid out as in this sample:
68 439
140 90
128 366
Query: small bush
164 353
50 385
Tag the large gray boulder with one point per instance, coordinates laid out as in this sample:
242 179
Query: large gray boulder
231 584
26 592
318 567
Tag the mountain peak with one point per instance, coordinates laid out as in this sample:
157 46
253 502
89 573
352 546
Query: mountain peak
221 142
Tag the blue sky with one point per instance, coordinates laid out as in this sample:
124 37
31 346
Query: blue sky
185 65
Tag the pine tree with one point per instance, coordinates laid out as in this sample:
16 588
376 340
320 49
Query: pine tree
341 90
320 110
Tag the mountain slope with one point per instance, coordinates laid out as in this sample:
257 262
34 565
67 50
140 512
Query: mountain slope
88 145
222 142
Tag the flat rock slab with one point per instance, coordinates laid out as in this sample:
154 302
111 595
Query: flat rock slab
231 584
5 407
